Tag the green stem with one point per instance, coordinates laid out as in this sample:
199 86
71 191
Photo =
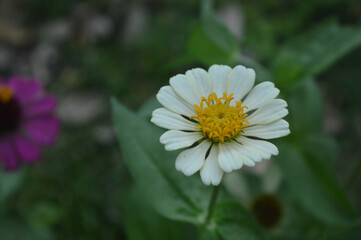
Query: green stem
212 203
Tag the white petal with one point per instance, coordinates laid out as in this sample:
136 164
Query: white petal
276 129
266 149
260 95
229 157
175 139
185 88
254 154
248 157
211 173
272 111
166 119
191 160
203 81
240 82
249 162
219 75
170 100
247 154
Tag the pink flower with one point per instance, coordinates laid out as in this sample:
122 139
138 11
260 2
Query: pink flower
27 121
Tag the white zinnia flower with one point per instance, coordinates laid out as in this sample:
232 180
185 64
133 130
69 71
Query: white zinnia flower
204 111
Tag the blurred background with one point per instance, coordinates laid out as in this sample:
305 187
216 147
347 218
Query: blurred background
86 51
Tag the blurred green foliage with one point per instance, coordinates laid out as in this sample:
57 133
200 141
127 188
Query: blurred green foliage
84 189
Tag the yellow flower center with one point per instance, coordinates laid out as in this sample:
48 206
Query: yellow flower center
219 121
6 94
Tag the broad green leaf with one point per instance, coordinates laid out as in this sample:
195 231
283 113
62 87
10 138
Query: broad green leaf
15 229
212 42
262 73
44 215
314 51
206 51
320 153
233 222
350 232
171 193
317 191
9 182
146 110
306 109
142 222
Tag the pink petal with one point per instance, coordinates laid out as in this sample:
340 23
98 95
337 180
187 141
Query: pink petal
27 150
8 156
45 106
42 130
25 90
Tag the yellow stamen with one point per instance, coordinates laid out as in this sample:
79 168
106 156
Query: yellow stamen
6 94
219 121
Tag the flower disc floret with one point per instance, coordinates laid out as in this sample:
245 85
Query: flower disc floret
219 121
6 94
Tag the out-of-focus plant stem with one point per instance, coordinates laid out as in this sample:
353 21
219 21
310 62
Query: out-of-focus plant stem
212 203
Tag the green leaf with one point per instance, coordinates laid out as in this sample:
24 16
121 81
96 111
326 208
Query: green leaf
320 153
212 42
15 229
44 215
262 73
315 188
9 182
313 52
146 110
306 109
142 222
233 222
171 193
349 232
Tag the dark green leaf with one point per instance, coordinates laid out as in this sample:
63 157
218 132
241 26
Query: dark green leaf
314 188
9 182
142 222
313 52
170 192
15 229
262 73
233 222
146 110
320 153
211 42
350 232
306 109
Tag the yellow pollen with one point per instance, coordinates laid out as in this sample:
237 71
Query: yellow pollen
219 121
6 94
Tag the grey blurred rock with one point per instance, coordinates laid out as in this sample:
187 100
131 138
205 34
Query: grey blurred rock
236 184
104 134
21 66
233 17
97 27
78 109
135 24
41 59
57 31
260 168
332 120
6 57
271 178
